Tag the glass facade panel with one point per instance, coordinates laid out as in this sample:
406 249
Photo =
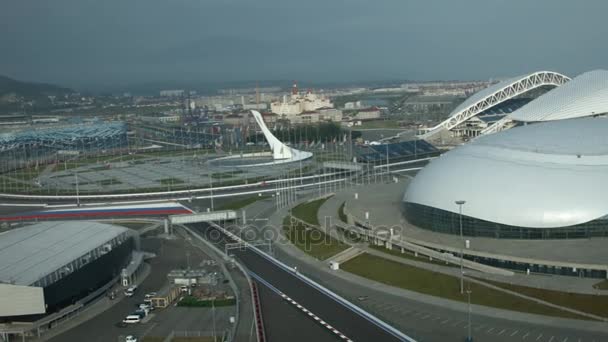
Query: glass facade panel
442 221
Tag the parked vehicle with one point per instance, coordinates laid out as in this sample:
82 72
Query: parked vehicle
146 306
141 313
150 295
132 319
131 338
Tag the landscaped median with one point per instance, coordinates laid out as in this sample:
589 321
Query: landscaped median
302 229
589 303
445 286
242 202
194 302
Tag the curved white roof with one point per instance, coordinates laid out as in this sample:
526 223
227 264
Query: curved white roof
584 95
543 175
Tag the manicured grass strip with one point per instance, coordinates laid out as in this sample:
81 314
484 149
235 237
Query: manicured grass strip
602 285
593 304
410 256
441 285
241 203
308 211
193 302
312 241
170 181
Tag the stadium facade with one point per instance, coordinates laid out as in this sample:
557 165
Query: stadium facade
541 181
537 97
38 146
50 267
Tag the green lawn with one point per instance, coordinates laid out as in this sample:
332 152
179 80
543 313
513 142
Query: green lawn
602 285
193 302
108 181
308 211
378 124
170 181
441 285
593 304
242 202
312 241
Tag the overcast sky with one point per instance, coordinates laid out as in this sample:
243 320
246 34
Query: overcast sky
82 43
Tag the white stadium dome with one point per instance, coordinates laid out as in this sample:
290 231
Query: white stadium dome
538 177
584 95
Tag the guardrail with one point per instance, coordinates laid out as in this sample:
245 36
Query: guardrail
337 298
189 192
259 320
166 193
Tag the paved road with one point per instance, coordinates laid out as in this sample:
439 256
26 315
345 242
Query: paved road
102 328
422 321
347 322
284 322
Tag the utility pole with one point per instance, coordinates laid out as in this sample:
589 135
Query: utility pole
469 337
77 191
460 203
211 190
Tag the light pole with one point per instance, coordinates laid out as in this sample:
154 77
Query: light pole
460 203
469 337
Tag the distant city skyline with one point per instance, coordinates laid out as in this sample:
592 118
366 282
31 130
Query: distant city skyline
92 44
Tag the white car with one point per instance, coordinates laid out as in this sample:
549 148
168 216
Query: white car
145 306
150 295
131 338
132 319
130 291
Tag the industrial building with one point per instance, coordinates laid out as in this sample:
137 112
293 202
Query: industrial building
52 269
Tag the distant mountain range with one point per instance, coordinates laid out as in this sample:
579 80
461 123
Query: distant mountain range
29 89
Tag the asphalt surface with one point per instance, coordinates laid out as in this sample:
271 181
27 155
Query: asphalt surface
172 255
419 320
344 320
282 320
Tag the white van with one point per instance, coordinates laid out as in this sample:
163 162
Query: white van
131 319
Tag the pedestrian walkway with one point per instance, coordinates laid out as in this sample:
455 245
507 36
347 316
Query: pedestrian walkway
542 281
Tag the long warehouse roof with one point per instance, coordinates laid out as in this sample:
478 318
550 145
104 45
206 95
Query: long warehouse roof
31 252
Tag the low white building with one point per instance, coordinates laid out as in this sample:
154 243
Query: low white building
367 114
298 103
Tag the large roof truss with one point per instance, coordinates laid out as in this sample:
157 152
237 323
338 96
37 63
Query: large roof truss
517 87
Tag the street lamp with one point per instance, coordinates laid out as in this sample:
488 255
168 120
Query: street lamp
469 337
460 203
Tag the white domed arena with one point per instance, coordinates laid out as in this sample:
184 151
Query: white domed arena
540 181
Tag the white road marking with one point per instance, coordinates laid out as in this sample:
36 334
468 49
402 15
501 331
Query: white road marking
515 333
551 339
539 336
490 330
446 321
502 331
526 335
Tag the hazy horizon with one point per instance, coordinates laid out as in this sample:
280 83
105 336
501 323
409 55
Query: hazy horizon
91 44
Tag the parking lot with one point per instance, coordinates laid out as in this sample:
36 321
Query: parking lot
171 254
